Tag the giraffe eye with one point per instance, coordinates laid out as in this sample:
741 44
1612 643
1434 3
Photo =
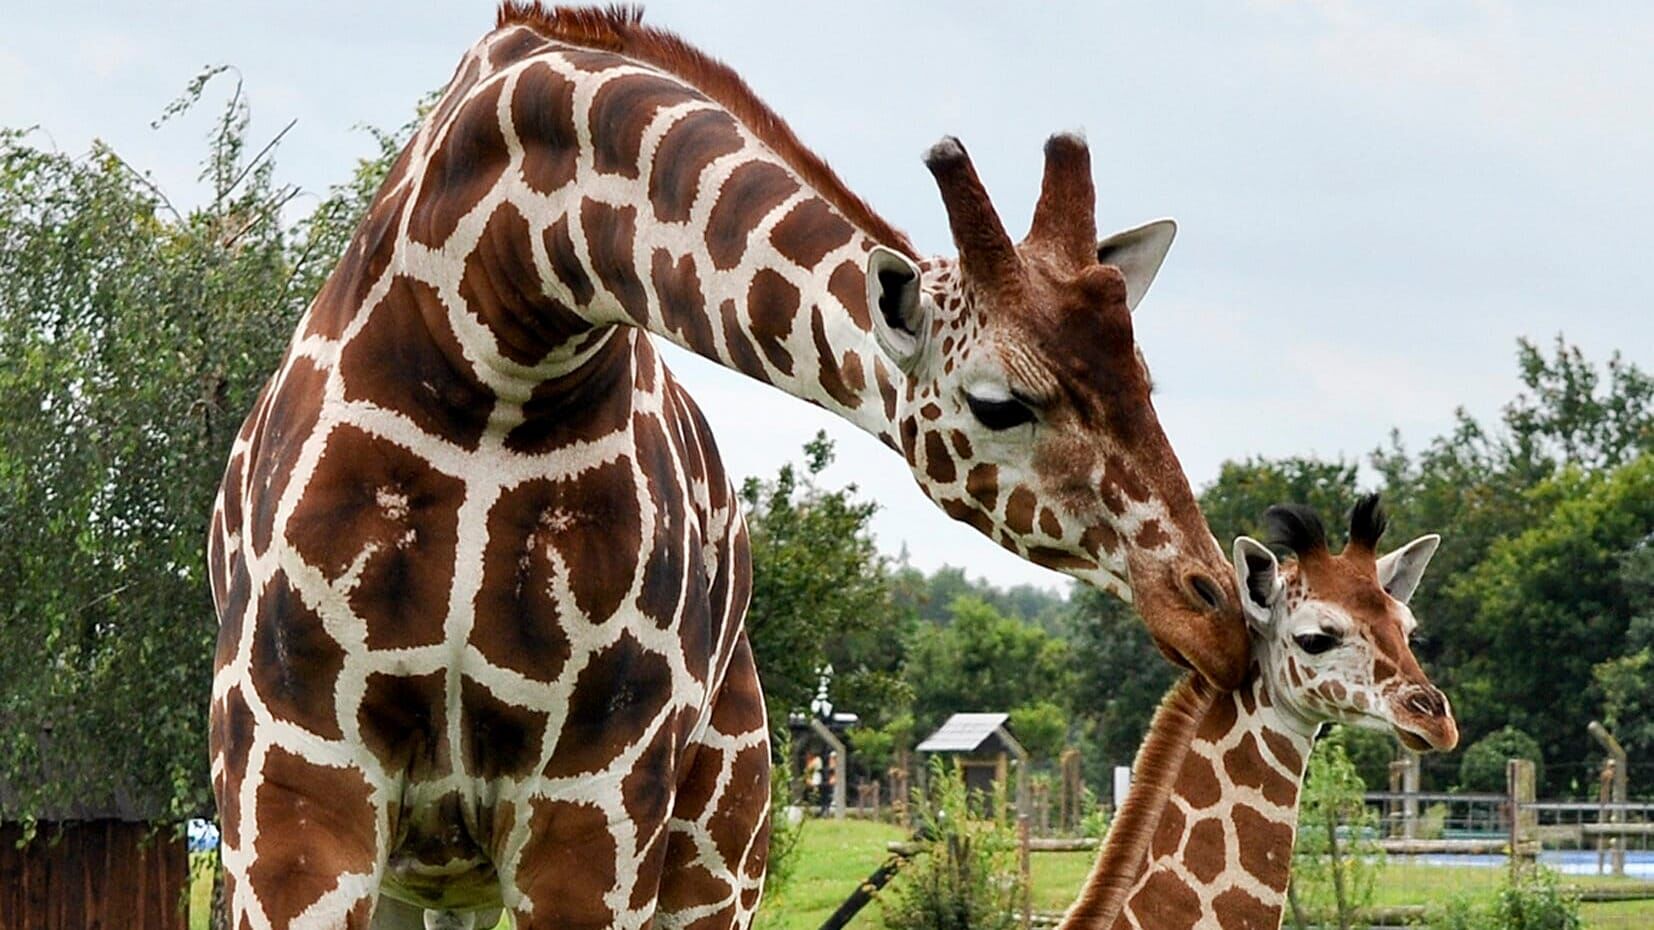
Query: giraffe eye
1315 643
999 414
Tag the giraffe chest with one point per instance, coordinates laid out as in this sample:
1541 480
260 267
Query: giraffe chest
476 631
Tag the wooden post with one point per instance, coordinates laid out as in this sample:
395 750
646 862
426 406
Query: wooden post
1025 866
899 796
1524 820
1617 792
1072 786
1042 808
1002 778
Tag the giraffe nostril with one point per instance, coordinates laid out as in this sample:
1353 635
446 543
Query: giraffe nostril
1202 591
1428 702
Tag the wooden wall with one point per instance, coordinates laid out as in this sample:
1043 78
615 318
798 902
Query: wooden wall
94 875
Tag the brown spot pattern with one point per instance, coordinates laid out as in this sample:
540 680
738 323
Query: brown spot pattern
693 143
938 463
619 692
565 262
497 739
403 721
502 288
610 233
1206 852
1168 835
368 496
1165 903
1197 783
772 303
568 864
809 231
1267 851
334 819
407 359
542 110
295 663
620 112
290 415
462 170
748 195
588 403
834 379
682 306
1019 510
1238 910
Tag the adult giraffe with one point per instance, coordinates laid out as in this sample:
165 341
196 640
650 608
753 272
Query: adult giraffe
480 574
1205 838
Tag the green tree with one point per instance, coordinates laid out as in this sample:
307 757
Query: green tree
134 336
1234 504
1624 681
982 661
819 590
1482 768
1119 680
1550 606
1042 729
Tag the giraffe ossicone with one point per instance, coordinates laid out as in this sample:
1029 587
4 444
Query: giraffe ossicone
481 577
1204 839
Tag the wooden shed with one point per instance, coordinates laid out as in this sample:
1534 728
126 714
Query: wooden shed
985 750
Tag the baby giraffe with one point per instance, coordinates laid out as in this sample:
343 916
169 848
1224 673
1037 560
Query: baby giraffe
1205 838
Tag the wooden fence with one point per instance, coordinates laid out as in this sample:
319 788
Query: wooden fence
93 875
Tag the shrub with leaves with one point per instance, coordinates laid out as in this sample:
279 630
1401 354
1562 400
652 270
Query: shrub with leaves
966 876
1535 900
1483 765
1337 858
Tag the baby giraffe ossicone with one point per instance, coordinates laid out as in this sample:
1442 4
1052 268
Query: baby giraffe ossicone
1205 838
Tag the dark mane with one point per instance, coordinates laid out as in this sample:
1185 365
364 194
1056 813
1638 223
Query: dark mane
620 29
1368 522
1297 528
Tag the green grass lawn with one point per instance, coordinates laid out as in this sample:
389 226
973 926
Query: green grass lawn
834 855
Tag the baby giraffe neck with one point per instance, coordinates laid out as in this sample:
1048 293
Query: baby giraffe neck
1205 838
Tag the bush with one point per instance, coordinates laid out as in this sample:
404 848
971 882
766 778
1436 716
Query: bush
1336 860
785 832
1534 901
1433 822
965 877
1483 765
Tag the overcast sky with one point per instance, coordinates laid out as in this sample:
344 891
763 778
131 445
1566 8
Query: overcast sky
1375 199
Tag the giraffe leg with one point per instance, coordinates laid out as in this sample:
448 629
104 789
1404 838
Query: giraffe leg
304 843
718 844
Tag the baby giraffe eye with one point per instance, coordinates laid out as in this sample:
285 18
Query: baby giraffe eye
1315 643
999 414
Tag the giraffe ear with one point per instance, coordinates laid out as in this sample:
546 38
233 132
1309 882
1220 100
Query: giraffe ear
1258 576
899 315
1138 253
1399 572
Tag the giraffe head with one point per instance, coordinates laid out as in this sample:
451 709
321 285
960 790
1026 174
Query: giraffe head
1331 631
1026 413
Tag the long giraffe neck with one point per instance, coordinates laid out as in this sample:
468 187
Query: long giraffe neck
1205 838
560 192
